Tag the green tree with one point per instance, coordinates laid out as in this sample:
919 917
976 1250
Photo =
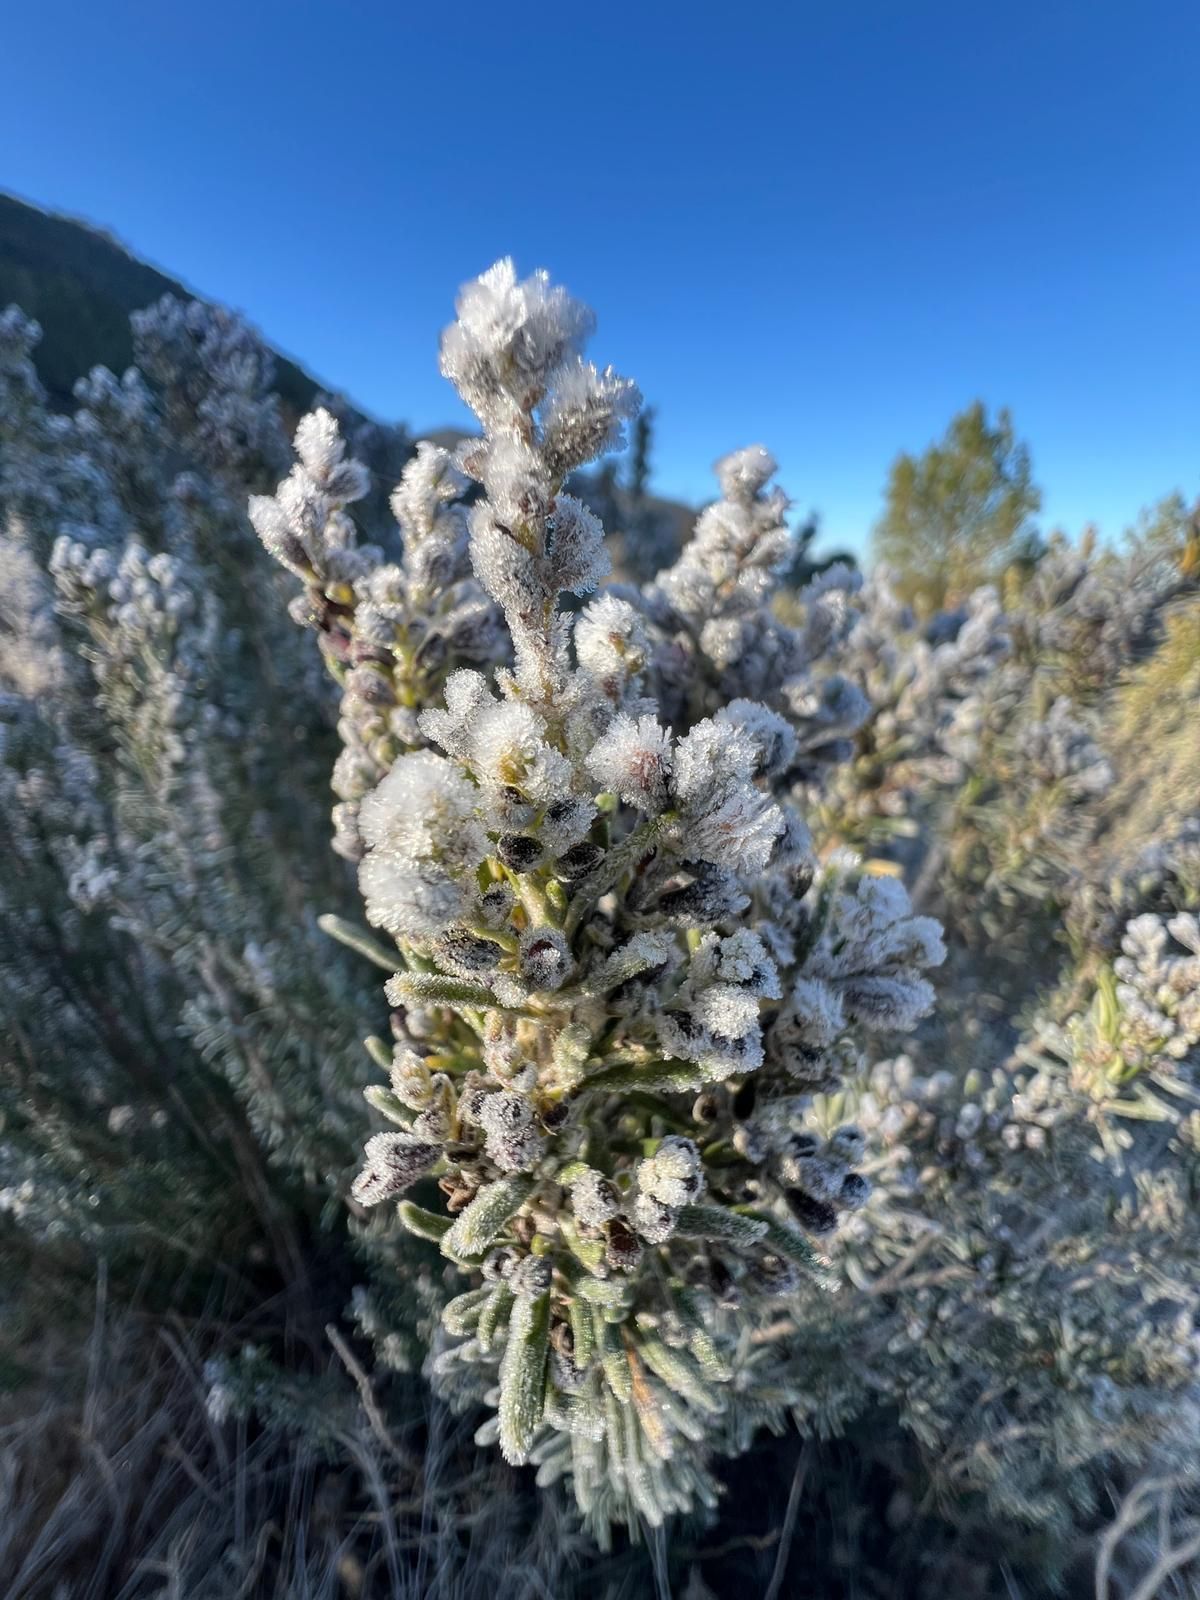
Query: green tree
961 513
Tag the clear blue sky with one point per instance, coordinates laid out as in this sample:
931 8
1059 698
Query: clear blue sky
826 227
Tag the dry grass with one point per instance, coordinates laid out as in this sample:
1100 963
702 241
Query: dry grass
122 1487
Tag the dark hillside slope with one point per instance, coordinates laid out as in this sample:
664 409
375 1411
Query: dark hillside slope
82 285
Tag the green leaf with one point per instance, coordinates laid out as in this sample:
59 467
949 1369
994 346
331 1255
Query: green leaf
612 1356
475 1228
677 1372
461 1315
425 1224
523 1376
677 1076
493 1319
792 1244
389 1104
438 989
360 941
715 1222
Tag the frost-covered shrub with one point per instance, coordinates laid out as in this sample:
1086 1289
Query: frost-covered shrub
637 1076
919 681
622 972
1021 1288
174 1065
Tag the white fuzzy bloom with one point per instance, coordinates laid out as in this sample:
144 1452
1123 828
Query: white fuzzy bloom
633 759
545 958
465 692
424 810
517 480
773 737
575 551
611 643
815 1017
504 566
674 1174
743 473
583 415
652 1219
595 1199
428 485
742 958
736 826
509 338
513 1141
710 760
726 1010
410 900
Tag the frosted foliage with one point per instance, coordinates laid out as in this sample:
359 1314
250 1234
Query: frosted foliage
715 1087
604 905
163 741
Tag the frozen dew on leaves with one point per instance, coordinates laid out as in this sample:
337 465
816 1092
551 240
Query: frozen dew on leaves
620 969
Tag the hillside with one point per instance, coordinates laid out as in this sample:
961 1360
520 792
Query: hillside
82 285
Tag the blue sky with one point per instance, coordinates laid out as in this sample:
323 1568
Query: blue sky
822 227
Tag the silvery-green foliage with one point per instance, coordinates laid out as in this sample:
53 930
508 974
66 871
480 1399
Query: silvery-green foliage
921 681
1027 828
621 970
1025 1298
173 1018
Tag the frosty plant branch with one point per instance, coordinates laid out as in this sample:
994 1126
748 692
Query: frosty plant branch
622 974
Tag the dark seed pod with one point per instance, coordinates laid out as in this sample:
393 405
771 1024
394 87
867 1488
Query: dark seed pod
498 1263
519 851
774 1275
432 653
745 1099
470 1104
363 650
578 861
801 879
459 948
372 685
814 1215
623 1249
856 1191
724 1289
556 1116
685 1022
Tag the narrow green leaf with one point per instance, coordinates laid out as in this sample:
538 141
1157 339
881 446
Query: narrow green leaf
493 1319
715 1222
792 1244
389 1104
583 1332
475 1228
612 1356
523 1376
425 1224
678 1077
360 941
461 1315
438 989
677 1372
